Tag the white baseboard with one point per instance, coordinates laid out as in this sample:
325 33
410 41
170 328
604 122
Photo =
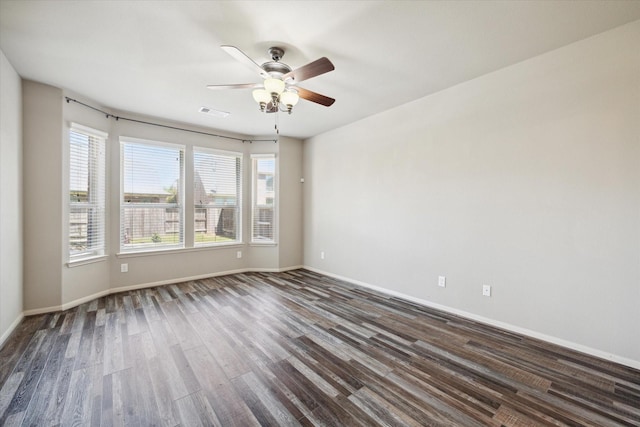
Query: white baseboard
10 329
492 322
273 270
77 302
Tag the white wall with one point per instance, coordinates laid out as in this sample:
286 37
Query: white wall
10 198
527 179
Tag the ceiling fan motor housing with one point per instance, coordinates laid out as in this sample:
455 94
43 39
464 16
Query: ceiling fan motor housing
275 68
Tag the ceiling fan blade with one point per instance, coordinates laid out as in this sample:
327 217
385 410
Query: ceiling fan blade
242 57
315 97
239 86
312 69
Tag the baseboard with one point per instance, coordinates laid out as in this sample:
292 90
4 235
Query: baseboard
273 270
10 329
492 322
77 302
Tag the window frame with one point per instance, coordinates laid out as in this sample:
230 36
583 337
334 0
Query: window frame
98 181
180 205
239 196
254 193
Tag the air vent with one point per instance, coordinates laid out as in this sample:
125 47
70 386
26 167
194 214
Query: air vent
212 112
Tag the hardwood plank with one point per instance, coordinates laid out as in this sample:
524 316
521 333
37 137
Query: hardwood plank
380 410
33 367
186 335
188 412
225 402
15 348
14 420
207 415
8 390
57 400
184 369
106 415
77 411
265 411
113 357
166 389
146 404
39 403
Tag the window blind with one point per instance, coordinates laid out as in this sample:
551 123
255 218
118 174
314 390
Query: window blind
217 196
263 198
152 205
87 192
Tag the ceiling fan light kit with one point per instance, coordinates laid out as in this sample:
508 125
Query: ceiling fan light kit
279 92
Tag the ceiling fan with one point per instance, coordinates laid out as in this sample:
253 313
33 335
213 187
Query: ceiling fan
279 91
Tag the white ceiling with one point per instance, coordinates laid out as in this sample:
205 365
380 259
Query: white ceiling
156 57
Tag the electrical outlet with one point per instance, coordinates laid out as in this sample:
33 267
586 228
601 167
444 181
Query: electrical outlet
239 254
322 255
486 290
124 268
442 281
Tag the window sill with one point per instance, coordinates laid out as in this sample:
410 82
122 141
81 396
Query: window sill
85 261
263 244
168 251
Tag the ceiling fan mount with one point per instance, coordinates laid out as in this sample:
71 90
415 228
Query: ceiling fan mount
279 91
276 53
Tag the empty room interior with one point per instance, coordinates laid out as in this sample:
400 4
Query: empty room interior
362 213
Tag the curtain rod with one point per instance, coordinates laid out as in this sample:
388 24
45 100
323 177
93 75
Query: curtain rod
112 116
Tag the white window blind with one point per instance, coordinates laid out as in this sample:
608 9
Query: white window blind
217 196
87 189
263 198
152 201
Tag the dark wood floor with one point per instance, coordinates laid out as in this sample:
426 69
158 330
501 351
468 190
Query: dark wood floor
294 348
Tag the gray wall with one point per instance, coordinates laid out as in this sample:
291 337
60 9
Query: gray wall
527 179
10 198
290 206
42 193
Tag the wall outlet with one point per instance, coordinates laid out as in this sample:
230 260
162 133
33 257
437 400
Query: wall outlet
322 255
124 268
486 290
239 254
442 281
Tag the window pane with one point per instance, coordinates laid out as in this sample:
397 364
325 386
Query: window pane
217 196
263 199
152 210
87 184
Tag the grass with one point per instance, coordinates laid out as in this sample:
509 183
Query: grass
175 238
210 238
